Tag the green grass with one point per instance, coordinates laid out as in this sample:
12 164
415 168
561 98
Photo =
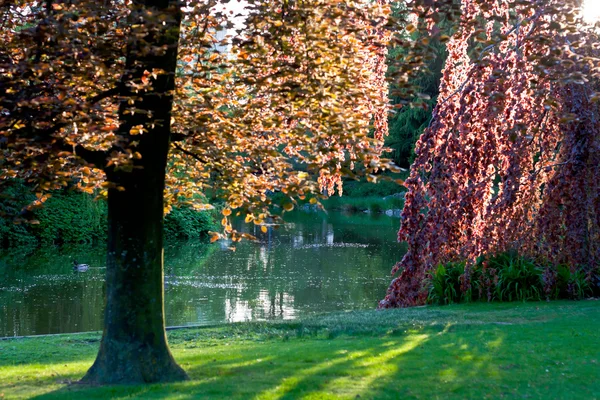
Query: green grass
517 350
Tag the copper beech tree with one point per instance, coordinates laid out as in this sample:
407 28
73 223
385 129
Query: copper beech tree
510 159
136 101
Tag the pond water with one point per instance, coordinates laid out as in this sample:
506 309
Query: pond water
315 263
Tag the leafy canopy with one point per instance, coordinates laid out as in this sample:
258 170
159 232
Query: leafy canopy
291 105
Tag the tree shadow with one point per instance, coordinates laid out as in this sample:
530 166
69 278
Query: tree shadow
346 366
465 360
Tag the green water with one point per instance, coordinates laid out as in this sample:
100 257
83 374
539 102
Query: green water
315 263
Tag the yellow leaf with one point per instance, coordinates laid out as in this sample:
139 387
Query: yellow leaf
288 206
137 130
227 212
263 229
249 218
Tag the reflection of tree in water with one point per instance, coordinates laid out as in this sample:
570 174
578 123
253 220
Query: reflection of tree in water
296 270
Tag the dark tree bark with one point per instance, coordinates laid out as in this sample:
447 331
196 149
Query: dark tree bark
134 346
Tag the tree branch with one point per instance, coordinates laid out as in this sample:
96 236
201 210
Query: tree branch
103 95
189 153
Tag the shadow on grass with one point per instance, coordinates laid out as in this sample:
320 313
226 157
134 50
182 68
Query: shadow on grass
343 367
493 359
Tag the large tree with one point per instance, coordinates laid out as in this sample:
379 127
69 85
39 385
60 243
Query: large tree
510 159
132 100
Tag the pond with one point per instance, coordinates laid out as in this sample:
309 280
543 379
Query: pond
315 263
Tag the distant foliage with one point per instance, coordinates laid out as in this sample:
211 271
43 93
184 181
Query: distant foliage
408 123
70 217
405 129
186 223
73 217
366 189
510 160
13 198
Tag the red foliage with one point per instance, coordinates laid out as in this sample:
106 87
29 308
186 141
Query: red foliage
510 160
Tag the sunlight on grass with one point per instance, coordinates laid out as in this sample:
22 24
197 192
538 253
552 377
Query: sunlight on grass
288 384
448 374
453 352
494 344
34 379
368 368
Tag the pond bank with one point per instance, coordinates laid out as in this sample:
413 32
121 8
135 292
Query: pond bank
533 350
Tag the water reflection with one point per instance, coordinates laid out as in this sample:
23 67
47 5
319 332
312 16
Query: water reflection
314 263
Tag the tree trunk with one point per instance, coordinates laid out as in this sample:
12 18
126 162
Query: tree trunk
134 346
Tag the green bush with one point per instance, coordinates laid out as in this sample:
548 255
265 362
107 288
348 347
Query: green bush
509 277
73 217
368 189
359 204
187 223
445 283
14 196
518 278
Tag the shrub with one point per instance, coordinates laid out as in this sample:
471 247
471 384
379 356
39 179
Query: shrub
368 189
13 198
510 277
518 278
187 223
73 217
445 283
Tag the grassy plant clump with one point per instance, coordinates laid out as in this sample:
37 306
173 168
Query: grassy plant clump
518 278
445 283
510 277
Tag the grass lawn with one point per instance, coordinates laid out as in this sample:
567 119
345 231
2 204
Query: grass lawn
516 350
